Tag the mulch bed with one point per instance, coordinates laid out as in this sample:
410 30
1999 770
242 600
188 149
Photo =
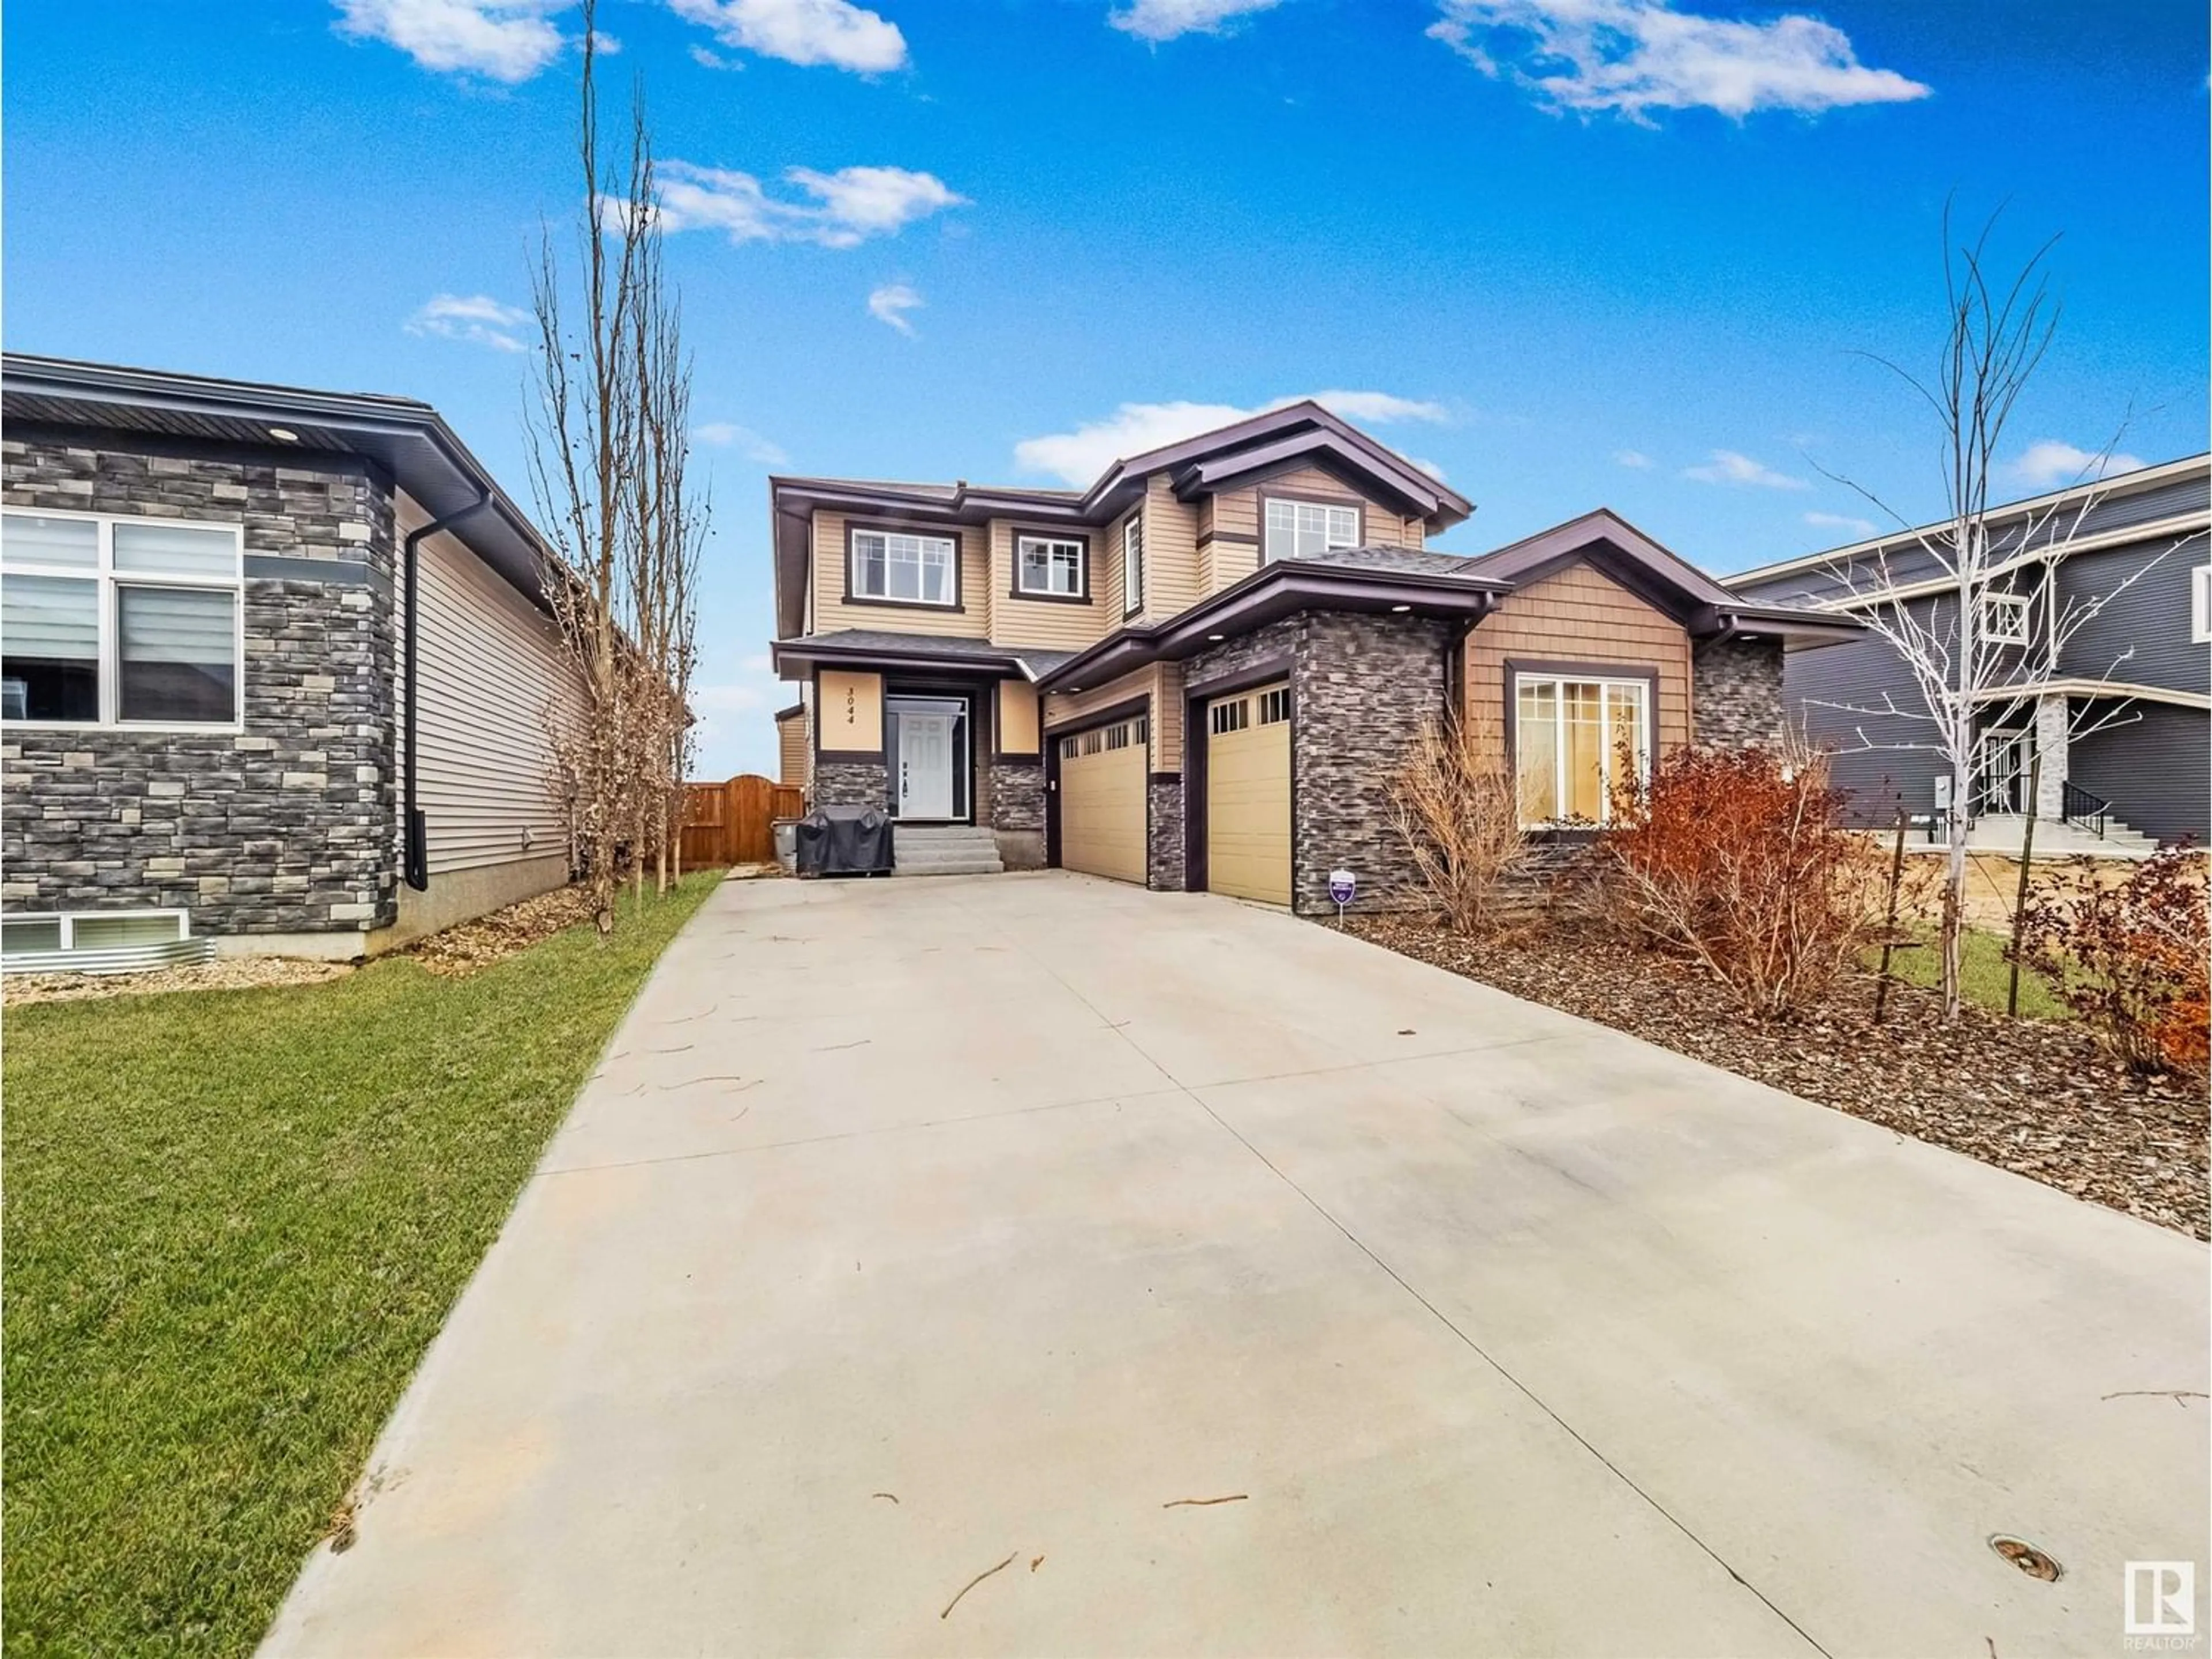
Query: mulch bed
471 946
2039 1097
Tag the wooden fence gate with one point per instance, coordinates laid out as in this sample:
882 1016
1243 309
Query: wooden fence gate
730 822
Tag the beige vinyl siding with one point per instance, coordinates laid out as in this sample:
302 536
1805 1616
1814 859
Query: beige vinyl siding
1171 573
492 669
791 747
1578 614
1106 580
972 621
1016 732
1161 684
1054 624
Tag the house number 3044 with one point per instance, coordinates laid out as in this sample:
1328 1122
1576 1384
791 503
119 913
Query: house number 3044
851 706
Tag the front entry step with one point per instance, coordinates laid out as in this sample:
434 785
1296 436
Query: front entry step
949 849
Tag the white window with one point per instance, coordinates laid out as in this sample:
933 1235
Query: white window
1048 565
1577 744
1298 530
1133 565
2200 605
903 569
2004 619
91 930
119 620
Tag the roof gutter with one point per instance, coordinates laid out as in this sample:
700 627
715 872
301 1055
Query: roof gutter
415 858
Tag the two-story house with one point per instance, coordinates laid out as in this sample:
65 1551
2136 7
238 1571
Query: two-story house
1202 670
2113 576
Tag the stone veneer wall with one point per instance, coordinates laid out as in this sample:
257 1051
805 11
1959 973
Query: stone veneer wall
850 783
1017 817
286 827
1736 694
1360 687
1164 871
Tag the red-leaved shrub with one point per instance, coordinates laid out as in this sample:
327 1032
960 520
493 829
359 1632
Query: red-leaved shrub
2129 957
1735 859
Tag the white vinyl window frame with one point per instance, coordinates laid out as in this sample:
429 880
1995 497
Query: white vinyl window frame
109 581
1070 554
2200 605
925 552
1608 690
1133 565
2004 619
1305 528
65 922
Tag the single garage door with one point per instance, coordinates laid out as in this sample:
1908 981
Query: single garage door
1248 795
1102 800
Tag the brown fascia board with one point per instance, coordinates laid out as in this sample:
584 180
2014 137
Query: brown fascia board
1514 560
1797 630
803 653
1218 472
1272 592
790 713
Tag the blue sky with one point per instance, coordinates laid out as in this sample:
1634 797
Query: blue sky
1576 251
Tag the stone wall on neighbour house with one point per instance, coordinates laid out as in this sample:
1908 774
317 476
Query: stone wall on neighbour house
1736 694
1360 687
286 826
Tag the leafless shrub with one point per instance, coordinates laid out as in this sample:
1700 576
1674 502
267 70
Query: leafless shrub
1454 804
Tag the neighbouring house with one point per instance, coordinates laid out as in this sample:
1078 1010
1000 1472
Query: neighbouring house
277 673
1203 670
2122 721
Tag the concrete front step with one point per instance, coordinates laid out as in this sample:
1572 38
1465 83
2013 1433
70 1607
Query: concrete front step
952 849
2001 833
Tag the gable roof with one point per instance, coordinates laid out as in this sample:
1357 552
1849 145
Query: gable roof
1654 574
1301 433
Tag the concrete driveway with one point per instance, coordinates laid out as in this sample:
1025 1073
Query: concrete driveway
1227 1285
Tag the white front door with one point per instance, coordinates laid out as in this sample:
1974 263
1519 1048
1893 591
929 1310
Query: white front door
924 765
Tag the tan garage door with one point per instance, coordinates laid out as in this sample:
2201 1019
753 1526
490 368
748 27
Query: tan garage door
1248 795
1102 800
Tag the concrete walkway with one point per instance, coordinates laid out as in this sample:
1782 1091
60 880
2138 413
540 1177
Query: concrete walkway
1242 1288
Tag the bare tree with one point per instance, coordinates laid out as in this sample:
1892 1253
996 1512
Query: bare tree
608 435
1958 600
1455 804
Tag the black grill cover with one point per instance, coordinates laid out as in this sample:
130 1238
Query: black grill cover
845 840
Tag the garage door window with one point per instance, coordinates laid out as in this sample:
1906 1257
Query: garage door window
1230 714
1579 744
1274 706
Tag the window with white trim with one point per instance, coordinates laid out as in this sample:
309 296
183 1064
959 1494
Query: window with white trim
2200 605
91 930
1578 745
1298 530
1133 565
1049 566
2004 619
107 620
902 568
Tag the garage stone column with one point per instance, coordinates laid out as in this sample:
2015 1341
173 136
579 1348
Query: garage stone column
2052 729
1164 859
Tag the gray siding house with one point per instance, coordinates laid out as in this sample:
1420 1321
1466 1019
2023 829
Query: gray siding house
224 610
2123 721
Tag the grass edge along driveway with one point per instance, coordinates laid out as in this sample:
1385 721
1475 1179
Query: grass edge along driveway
235 1221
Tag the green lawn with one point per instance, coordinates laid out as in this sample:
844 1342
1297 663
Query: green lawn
234 1220
1986 973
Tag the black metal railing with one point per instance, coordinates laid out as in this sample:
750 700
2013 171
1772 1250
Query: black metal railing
2078 806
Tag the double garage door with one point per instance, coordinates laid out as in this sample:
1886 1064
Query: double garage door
1102 778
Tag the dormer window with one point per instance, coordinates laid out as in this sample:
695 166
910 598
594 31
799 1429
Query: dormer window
1300 530
1049 567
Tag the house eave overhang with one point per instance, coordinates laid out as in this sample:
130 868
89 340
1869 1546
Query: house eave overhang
1413 490
796 659
409 440
1272 593
1798 631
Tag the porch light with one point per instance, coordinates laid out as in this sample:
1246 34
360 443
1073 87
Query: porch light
1400 609
283 435
1216 638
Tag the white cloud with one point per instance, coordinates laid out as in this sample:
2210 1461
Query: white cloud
707 58
1081 455
891 302
849 205
1633 458
2047 463
1164 19
1727 467
833 32
507 40
477 318
728 434
1429 467
1840 522
1635 56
